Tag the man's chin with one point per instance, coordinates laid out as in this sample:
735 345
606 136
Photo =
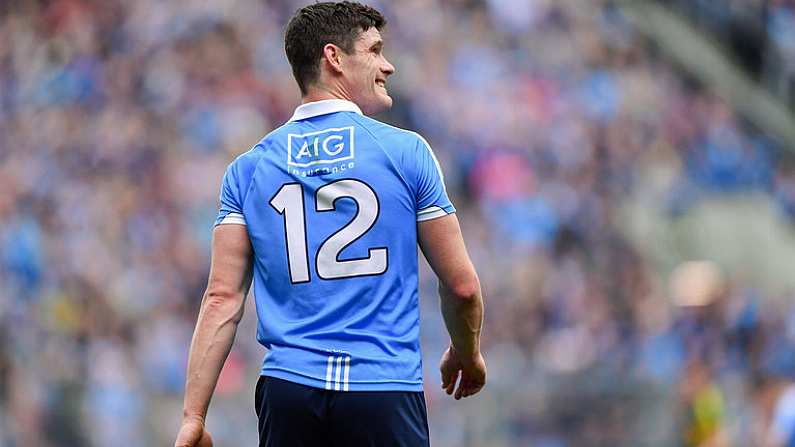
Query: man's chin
384 102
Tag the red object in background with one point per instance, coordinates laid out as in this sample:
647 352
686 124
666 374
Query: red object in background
231 379
502 176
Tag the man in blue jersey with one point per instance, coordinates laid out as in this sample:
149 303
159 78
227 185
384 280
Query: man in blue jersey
325 214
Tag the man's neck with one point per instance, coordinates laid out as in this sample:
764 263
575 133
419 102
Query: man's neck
320 93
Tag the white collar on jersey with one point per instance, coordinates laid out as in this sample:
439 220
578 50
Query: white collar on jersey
324 107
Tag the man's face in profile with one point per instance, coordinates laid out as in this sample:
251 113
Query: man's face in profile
366 70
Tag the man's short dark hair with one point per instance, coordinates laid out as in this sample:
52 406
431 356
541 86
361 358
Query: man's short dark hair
314 26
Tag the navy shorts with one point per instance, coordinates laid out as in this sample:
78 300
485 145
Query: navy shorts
294 415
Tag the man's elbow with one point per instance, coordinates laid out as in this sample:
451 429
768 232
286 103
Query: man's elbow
464 289
223 303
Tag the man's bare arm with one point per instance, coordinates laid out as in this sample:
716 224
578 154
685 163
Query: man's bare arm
461 302
221 310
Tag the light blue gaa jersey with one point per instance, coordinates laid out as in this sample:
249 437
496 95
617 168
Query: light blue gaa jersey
330 201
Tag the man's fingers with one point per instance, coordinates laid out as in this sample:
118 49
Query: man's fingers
193 435
451 383
206 440
447 377
472 390
463 385
468 387
187 438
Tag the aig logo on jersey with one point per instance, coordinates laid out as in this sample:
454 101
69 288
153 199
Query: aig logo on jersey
325 152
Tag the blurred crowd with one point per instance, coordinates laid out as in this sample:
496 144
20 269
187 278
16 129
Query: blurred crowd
117 120
759 34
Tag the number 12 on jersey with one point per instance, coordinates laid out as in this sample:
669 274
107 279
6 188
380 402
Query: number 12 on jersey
289 202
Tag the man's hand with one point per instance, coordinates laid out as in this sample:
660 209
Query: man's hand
473 373
193 434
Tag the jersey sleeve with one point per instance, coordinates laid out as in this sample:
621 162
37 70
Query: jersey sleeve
231 209
431 199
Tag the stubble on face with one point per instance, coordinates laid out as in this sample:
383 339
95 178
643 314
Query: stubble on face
368 72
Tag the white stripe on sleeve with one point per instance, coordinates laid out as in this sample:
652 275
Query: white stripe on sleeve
432 212
233 218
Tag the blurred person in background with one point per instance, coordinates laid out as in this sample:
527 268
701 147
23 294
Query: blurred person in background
343 363
583 163
698 290
780 427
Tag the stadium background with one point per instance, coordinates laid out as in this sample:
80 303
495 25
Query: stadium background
589 156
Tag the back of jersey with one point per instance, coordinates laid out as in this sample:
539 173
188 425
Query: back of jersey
331 200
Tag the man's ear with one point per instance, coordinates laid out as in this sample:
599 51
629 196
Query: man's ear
332 54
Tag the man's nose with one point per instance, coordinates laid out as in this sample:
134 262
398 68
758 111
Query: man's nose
387 68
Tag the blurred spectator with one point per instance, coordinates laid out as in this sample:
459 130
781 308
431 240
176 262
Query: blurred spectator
117 120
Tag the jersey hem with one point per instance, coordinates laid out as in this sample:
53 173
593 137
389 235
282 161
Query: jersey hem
387 385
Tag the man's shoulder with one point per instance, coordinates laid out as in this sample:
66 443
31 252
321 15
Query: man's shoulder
383 130
252 156
249 159
275 135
